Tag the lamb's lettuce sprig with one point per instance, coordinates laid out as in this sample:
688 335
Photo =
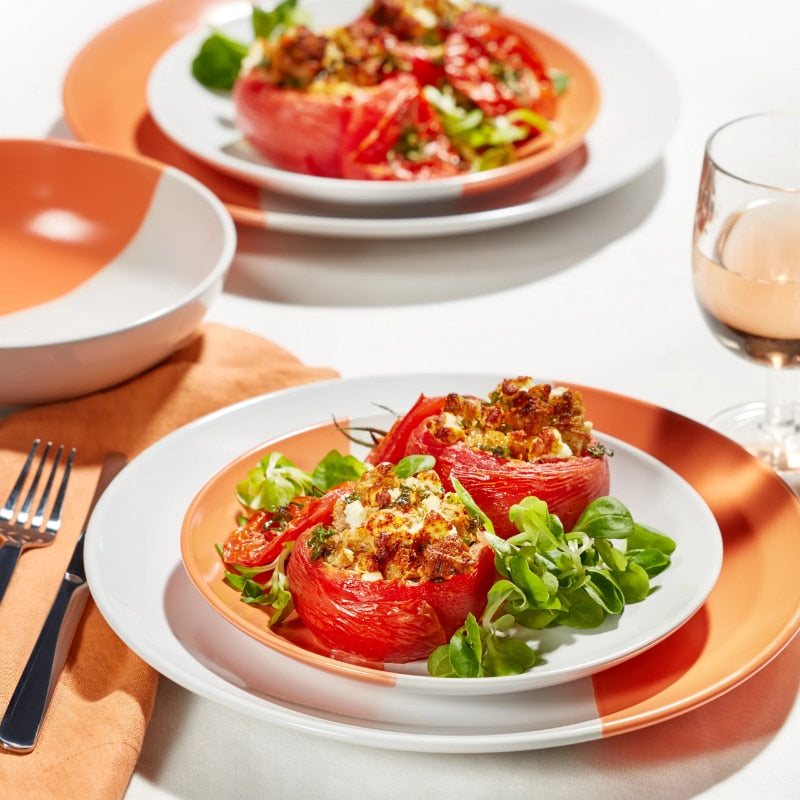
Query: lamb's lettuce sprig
550 577
276 480
271 590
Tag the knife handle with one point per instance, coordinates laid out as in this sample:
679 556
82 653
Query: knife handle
23 718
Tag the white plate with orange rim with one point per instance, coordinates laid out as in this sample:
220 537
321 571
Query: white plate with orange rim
203 122
110 262
142 588
108 107
661 499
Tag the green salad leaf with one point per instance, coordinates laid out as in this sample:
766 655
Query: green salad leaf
275 481
217 64
267 24
549 577
485 142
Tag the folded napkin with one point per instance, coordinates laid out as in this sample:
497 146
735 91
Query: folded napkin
93 732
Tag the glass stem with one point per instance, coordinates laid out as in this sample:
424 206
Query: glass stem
780 418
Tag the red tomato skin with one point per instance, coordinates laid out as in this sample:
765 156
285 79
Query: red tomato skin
495 484
306 512
295 130
383 621
392 447
376 124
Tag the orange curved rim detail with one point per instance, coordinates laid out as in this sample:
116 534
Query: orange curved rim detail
72 210
758 517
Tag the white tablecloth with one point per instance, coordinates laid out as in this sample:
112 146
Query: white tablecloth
599 295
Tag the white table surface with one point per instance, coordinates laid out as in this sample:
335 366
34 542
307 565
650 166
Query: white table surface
599 295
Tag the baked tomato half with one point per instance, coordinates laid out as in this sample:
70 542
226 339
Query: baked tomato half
394 134
394 571
296 130
527 439
383 132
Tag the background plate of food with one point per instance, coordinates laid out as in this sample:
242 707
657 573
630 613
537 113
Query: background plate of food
389 106
108 106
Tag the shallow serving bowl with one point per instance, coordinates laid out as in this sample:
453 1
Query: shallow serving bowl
109 263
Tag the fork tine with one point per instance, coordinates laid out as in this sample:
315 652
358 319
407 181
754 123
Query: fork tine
38 517
22 516
54 522
8 509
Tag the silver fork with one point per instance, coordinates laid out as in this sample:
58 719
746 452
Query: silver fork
20 529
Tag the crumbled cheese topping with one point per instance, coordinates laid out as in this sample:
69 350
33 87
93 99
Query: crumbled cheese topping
406 529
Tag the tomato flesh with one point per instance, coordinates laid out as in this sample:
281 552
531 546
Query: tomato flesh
260 539
496 68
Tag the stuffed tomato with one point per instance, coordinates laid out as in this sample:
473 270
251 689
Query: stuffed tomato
527 439
410 90
394 571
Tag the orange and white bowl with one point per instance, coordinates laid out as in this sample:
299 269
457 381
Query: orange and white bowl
109 263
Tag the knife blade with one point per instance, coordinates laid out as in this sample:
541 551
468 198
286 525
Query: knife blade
19 729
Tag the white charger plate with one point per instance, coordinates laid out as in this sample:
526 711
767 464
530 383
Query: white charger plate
140 585
639 111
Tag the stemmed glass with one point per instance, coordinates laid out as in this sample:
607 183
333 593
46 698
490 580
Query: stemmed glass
746 272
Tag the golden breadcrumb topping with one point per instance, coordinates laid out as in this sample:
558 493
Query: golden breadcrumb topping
521 420
407 529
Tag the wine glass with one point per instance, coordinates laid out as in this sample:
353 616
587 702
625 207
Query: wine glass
746 273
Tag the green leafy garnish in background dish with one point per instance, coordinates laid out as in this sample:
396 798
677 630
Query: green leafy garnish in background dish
267 24
217 64
552 577
486 142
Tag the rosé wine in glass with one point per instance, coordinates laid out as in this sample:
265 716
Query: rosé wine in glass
746 272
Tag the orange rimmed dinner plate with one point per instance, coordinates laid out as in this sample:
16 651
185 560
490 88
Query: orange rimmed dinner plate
655 494
139 582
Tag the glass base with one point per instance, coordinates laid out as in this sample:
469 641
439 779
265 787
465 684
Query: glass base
776 444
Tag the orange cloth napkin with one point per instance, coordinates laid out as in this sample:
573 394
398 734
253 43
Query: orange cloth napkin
93 732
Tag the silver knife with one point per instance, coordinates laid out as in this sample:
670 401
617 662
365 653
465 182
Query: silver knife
19 729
